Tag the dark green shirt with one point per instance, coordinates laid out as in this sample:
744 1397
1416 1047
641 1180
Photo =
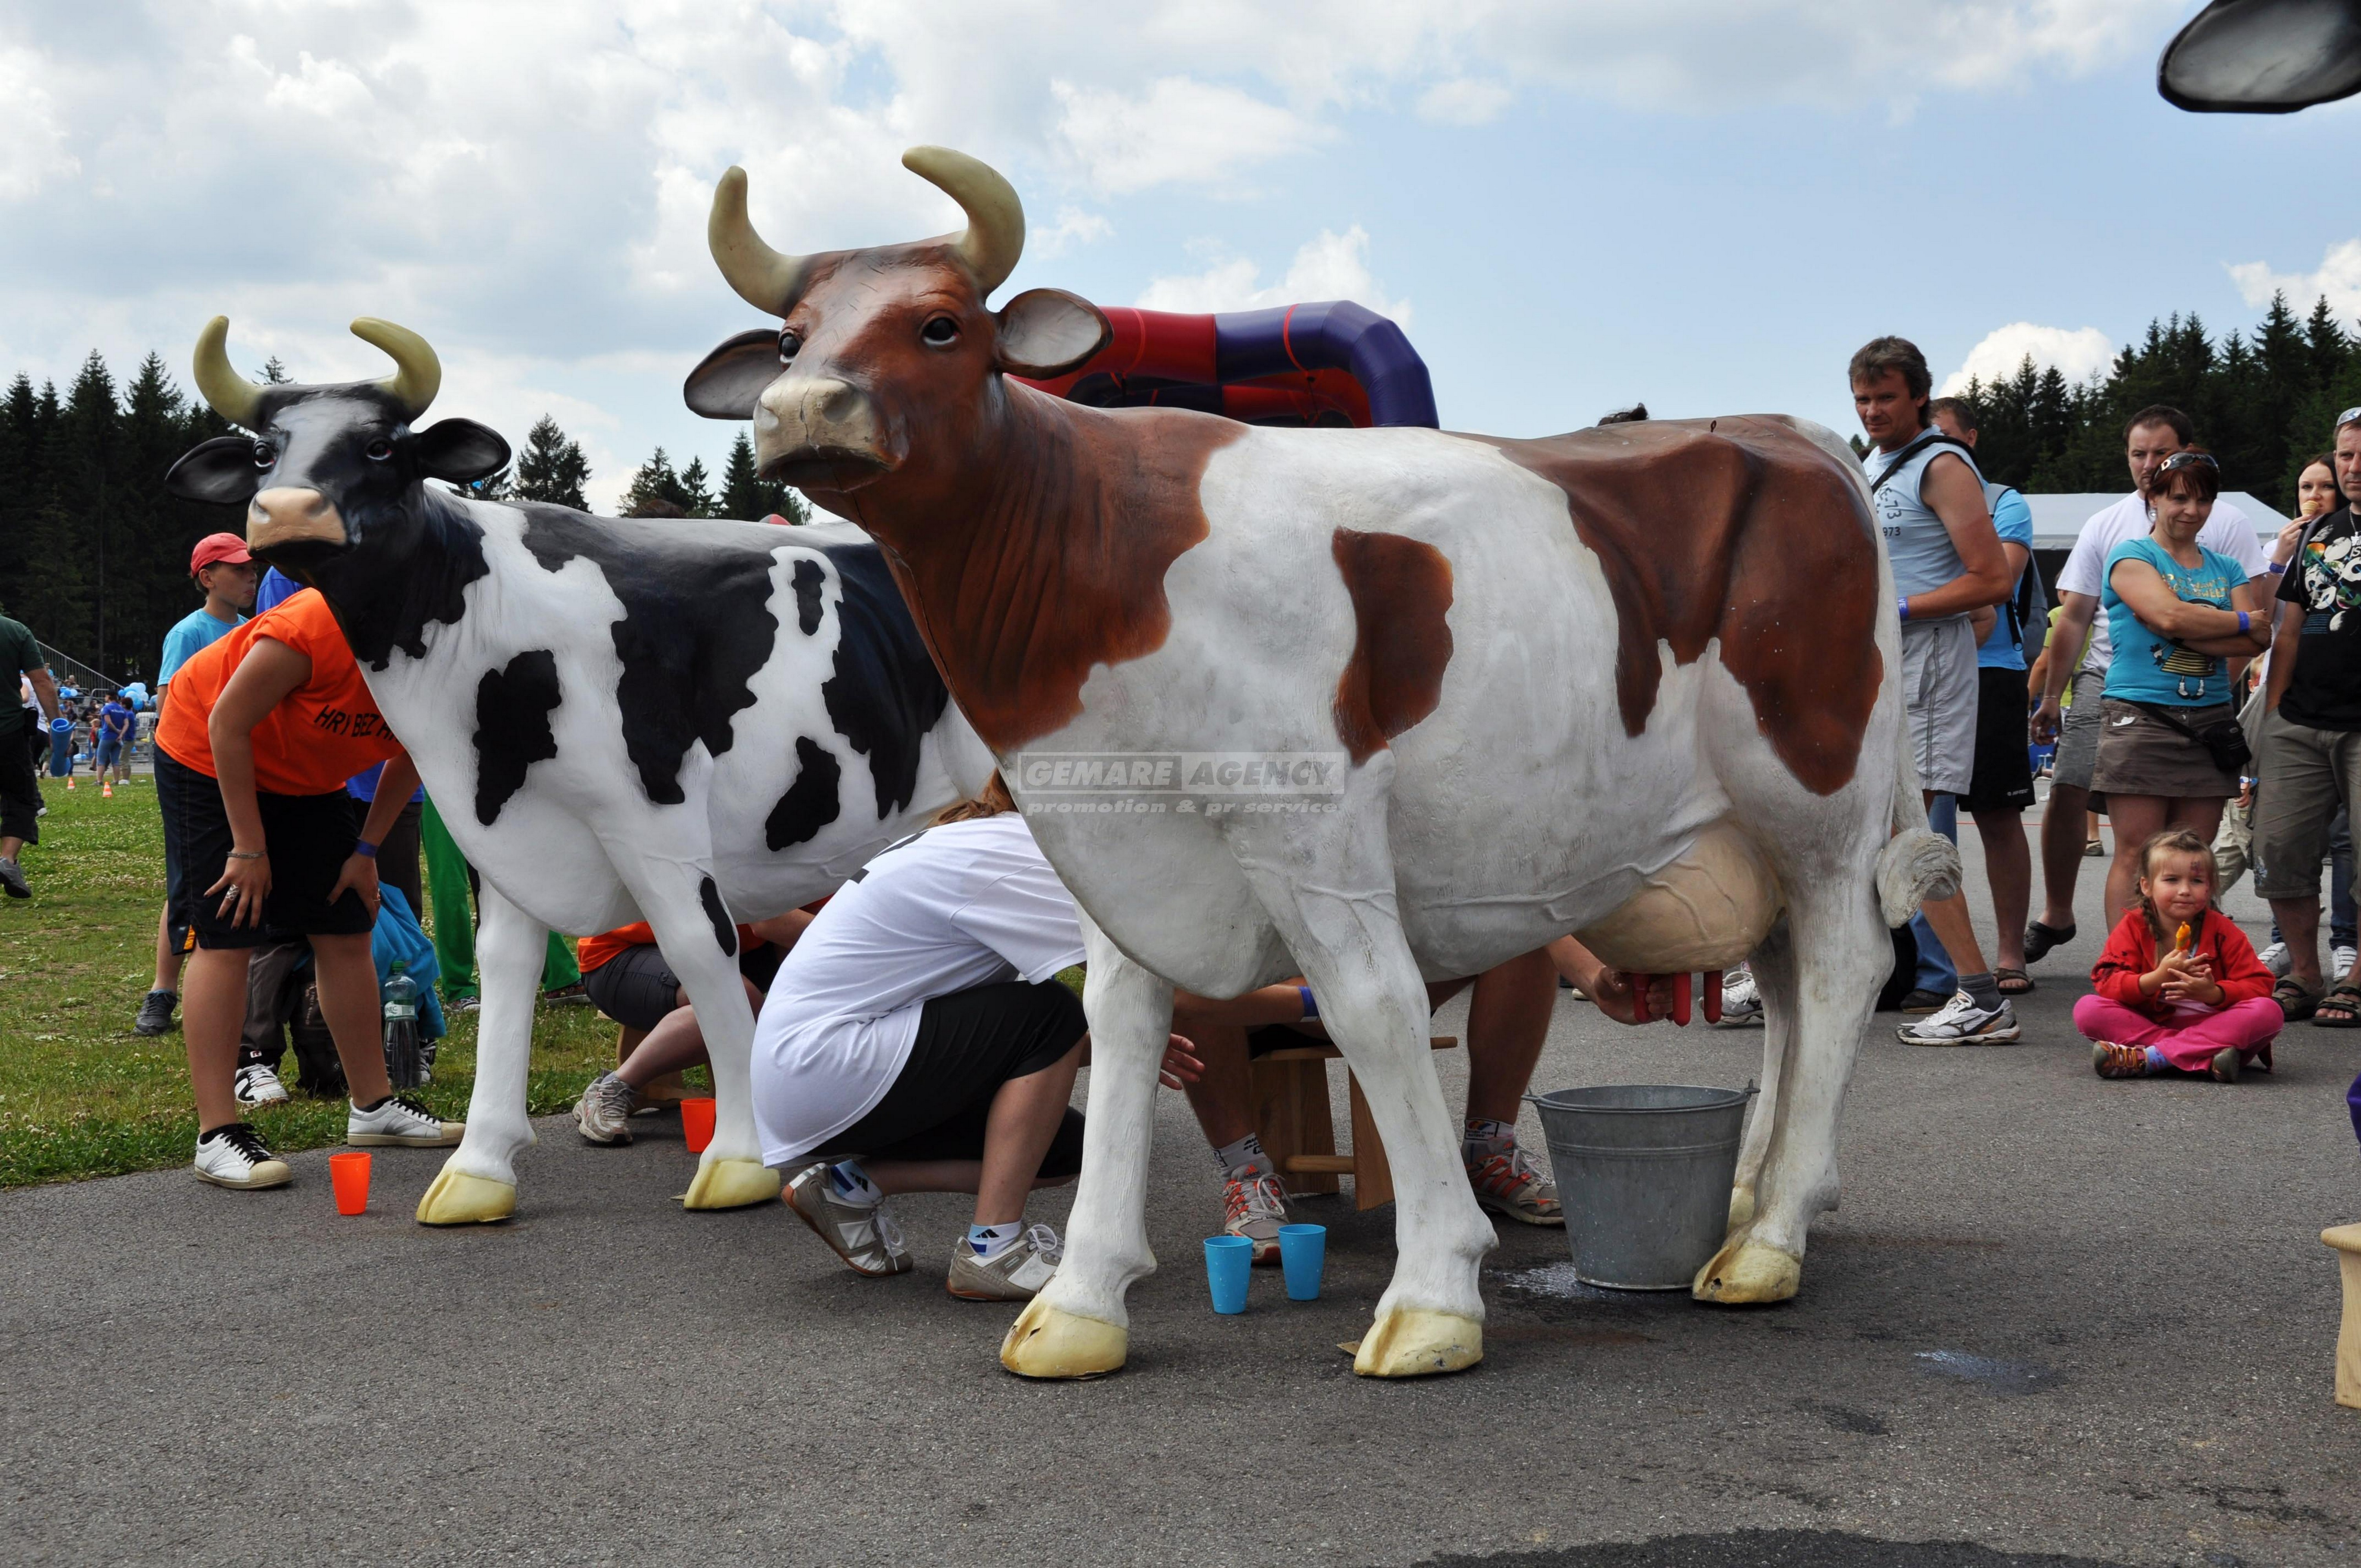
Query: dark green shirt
19 655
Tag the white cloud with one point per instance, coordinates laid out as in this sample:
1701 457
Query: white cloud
1329 267
32 136
1463 101
2079 353
1074 227
1178 131
2339 278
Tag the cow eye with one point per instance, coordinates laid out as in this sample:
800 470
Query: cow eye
378 451
263 456
941 331
790 343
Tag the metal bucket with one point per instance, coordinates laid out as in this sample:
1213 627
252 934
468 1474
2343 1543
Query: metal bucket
1644 1171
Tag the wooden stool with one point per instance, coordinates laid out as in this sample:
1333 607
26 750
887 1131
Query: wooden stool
1290 1100
2346 1240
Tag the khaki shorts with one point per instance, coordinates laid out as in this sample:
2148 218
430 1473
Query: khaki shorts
2078 732
2306 774
2139 754
1938 688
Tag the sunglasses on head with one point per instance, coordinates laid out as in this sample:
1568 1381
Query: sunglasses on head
2348 417
2189 460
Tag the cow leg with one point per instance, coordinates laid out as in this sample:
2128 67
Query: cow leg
1773 966
1839 948
478 1183
1077 1326
674 896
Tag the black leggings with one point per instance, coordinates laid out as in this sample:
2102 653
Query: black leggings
970 1043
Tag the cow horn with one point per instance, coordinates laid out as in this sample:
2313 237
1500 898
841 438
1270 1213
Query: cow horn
417 375
995 218
765 279
225 391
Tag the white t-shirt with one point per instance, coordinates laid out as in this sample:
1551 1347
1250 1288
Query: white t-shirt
964 904
2227 532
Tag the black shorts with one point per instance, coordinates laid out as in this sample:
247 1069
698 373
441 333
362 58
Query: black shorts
969 1044
307 837
636 988
20 797
2003 770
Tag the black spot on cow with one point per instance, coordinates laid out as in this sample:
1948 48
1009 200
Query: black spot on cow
697 625
809 579
409 570
724 931
512 733
810 803
885 692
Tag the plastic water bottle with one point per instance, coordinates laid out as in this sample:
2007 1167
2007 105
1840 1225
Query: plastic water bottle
403 1065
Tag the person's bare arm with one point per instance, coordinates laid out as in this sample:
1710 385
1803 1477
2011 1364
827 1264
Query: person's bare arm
395 785
2286 636
2200 626
45 690
2068 630
1608 988
271 669
1950 492
782 931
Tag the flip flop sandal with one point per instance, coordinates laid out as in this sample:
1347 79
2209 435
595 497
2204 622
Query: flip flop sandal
2040 938
2012 981
2345 997
2294 1001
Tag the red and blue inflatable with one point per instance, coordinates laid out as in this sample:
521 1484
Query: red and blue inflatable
1330 363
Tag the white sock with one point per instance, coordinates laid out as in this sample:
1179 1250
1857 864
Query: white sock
988 1242
1246 1156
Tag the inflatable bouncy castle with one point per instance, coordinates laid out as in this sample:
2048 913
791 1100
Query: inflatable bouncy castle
1332 363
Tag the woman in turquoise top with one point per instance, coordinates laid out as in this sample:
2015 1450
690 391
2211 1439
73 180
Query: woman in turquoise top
2184 619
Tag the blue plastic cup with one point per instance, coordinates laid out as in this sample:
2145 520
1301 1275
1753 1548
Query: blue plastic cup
1229 1260
1303 1253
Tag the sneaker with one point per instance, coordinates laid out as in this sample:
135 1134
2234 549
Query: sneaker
1013 1274
2340 960
864 1234
1918 999
1254 1206
1962 1023
1742 1000
2109 1059
2278 959
236 1155
155 1012
1508 1184
12 876
257 1085
603 1114
470 1003
2225 1065
574 995
398 1120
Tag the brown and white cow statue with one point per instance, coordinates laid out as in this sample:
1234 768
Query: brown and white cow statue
1636 682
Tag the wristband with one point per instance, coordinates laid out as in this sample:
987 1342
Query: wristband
1902 602
2278 568
2246 623
364 849
1311 1008
247 854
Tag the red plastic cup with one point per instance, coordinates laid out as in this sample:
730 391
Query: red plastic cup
349 1174
696 1123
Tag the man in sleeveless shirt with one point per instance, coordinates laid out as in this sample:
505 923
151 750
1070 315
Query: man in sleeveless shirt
1928 502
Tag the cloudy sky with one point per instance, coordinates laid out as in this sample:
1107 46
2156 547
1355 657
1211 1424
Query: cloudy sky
1704 203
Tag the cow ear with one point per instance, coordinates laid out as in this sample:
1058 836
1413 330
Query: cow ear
727 381
459 451
221 470
1047 332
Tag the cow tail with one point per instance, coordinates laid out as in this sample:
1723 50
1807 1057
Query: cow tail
1917 864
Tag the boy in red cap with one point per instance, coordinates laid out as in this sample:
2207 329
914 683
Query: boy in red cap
226 575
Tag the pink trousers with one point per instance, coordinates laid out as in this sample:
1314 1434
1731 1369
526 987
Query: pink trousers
2250 1025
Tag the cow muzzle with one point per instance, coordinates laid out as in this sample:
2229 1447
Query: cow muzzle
818 432
285 516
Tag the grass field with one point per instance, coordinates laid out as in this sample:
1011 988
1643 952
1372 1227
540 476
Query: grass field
79 1093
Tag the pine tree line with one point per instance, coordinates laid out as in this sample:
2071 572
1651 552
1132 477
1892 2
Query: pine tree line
94 551
2262 403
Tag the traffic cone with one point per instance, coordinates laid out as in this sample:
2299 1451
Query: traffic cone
106 790
69 781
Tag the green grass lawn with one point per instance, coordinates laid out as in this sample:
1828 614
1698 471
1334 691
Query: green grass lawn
79 1093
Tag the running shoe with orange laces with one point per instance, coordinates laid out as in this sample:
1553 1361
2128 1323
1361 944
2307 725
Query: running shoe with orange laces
1507 1183
1254 1205
2109 1059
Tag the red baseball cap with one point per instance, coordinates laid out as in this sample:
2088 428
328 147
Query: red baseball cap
217 550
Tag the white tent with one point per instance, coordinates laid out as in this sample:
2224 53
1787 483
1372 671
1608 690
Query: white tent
2058 518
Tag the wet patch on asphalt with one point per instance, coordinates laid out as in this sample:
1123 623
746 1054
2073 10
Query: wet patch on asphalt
1999 1377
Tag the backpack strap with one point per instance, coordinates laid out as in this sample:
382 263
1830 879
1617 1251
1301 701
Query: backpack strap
1930 438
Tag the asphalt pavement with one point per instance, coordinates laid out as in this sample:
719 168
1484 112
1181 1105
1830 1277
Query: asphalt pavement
2056 1320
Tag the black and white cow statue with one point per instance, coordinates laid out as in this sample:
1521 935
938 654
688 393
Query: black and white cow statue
690 722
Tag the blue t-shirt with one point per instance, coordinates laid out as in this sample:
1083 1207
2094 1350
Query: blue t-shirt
2148 668
2003 646
115 719
190 635
1917 543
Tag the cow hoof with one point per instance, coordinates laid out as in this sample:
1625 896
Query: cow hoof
731 1184
1741 1206
1749 1273
458 1198
1410 1342
1045 1342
